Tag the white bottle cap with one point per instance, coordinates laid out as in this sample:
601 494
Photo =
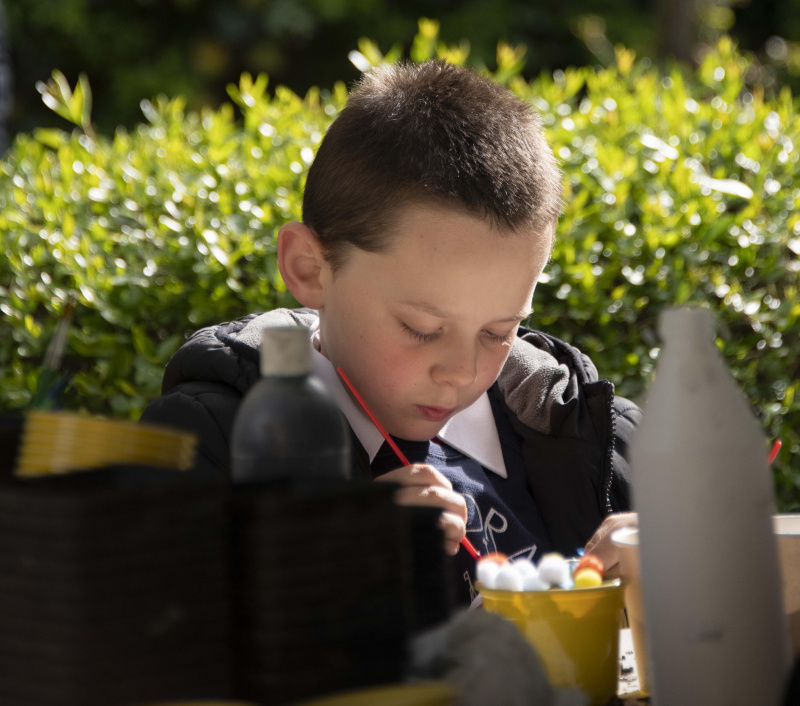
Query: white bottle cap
285 351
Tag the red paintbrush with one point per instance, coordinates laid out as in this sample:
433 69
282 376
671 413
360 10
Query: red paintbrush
464 542
775 448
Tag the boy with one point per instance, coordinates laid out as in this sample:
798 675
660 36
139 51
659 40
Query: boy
428 216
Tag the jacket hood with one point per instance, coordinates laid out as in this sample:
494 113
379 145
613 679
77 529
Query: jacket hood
540 380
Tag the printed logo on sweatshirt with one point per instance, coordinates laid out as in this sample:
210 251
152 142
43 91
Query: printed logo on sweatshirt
491 530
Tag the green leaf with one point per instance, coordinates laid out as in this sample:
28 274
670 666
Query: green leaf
424 45
85 116
75 104
49 137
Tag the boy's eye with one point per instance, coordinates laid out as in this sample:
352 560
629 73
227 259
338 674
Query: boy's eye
500 338
419 335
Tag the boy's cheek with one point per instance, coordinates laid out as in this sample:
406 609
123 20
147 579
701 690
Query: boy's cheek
374 361
399 375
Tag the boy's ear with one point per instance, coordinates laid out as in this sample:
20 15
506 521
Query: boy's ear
301 263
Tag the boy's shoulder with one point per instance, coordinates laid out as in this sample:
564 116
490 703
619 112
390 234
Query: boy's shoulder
544 376
553 388
207 377
228 353
552 351
546 382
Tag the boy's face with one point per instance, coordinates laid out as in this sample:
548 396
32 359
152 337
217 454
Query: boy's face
423 328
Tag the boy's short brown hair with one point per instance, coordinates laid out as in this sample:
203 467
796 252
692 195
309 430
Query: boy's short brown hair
429 133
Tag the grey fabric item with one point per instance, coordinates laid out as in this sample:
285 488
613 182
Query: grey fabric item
489 661
531 381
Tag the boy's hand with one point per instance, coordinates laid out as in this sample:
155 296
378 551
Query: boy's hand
423 485
601 545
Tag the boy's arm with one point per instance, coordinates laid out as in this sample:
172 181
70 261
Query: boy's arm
627 418
208 410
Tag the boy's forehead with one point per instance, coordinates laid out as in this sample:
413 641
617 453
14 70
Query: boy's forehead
438 258
443 313
426 219
420 229
419 234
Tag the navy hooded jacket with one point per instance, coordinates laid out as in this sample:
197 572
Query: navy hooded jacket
573 430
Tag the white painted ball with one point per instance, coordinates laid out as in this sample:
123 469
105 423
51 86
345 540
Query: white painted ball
508 578
487 573
554 569
525 567
532 582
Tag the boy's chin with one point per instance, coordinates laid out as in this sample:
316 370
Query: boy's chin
417 432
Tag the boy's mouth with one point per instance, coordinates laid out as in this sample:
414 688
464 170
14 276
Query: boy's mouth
435 414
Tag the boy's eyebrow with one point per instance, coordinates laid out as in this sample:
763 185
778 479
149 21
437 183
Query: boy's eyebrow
439 313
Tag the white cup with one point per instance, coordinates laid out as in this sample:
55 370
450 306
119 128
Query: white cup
787 533
787 536
626 540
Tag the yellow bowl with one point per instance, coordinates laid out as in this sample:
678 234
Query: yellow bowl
574 631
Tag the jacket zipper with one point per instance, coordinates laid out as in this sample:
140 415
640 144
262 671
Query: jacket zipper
610 446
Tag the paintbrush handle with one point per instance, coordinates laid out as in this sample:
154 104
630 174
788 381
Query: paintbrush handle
464 542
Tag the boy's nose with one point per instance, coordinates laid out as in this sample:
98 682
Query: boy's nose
458 368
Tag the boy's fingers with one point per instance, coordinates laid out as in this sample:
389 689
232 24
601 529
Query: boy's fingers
433 496
421 474
422 485
455 529
601 545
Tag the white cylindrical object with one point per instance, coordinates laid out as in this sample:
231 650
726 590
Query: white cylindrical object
710 580
787 534
285 351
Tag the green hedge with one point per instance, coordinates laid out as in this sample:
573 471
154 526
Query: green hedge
680 187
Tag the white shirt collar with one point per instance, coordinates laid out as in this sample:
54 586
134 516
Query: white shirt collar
472 431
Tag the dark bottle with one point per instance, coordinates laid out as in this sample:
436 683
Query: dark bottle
288 427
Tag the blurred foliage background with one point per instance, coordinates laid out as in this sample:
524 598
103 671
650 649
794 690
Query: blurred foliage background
138 48
680 177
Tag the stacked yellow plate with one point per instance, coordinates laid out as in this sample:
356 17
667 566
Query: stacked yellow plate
58 442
